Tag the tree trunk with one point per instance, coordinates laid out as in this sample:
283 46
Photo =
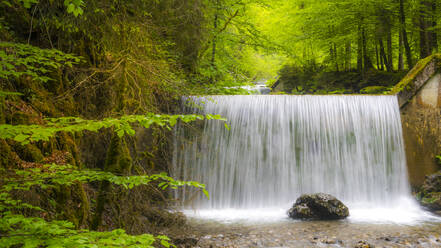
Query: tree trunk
348 56
433 34
376 56
403 31
389 64
331 53
214 44
381 63
400 51
425 48
383 55
366 60
213 48
359 51
336 58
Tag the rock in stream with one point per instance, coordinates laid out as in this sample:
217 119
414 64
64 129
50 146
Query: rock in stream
318 207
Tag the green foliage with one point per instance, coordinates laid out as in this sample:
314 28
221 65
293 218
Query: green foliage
122 126
74 7
349 35
8 93
26 3
18 60
51 175
18 229
36 232
234 49
438 158
28 231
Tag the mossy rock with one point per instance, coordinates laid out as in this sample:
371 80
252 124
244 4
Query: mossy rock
6 155
20 118
29 153
432 201
318 207
373 90
160 217
407 82
432 183
430 193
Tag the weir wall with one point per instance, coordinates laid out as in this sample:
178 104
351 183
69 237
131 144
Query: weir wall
419 96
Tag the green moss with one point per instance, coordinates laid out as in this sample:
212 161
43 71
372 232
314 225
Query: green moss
407 82
29 152
19 118
2 110
373 90
432 198
63 202
6 155
66 142
118 161
84 207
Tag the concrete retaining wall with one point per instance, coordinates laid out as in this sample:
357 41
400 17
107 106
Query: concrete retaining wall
419 96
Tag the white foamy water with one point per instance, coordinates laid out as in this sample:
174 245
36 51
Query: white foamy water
279 147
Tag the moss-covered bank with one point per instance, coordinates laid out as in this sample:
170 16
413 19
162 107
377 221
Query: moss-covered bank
298 81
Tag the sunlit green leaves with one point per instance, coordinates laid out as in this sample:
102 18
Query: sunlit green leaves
74 7
20 231
8 93
27 3
18 60
51 175
25 134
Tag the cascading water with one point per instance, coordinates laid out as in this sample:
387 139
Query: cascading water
279 147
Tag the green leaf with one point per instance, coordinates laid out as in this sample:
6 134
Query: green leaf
21 137
226 126
206 193
70 8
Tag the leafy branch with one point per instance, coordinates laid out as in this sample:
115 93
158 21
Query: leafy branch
51 174
9 93
18 60
17 229
37 232
122 126
74 7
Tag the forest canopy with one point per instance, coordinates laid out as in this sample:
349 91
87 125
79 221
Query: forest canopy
227 41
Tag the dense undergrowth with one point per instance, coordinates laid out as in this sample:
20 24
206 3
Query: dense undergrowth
30 224
88 90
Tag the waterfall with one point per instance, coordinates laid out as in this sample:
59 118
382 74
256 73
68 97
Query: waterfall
279 147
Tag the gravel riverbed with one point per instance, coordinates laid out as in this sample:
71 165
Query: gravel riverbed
314 234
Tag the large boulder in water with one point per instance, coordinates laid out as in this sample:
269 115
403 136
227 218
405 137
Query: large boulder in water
430 193
318 207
